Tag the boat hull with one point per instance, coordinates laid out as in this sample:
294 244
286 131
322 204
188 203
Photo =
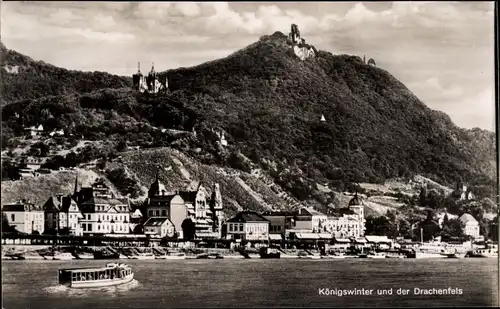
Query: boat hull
139 257
175 257
62 258
270 256
421 255
101 283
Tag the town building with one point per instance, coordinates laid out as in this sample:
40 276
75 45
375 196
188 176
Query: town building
442 217
62 216
309 219
206 211
248 226
35 130
348 221
471 226
159 227
103 213
31 163
279 223
25 217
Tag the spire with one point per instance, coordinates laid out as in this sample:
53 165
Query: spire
76 184
153 68
138 67
157 177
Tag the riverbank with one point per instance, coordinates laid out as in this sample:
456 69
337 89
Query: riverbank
35 252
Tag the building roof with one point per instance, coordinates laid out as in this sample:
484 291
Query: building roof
377 239
310 212
103 201
465 218
248 216
156 188
52 204
163 200
66 203
342 211
355 201
156 222
188 196
279 213
21 207
137 214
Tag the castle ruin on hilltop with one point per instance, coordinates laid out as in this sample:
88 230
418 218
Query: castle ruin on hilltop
371 61
300 48
149 83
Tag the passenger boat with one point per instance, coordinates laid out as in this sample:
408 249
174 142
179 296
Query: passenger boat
106 255
111 274
143 256
305 255
178 256
430 251
269 253
376 255
395 255
483 253
210 256
338 256
454 253
63 256
85 256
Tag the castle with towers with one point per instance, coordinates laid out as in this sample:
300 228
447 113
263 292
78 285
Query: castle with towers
149 83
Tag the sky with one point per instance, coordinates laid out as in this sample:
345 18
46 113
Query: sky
442 51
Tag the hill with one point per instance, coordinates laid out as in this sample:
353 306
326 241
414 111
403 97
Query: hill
24 78
269 103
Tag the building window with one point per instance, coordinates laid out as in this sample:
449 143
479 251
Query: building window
90 227
241 227
157 212
13 217
150 213
84 226
164 213
230 227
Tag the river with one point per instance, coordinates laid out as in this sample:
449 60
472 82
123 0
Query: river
258 283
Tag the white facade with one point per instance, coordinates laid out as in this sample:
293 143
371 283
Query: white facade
344 226
159 227
106 222
25 220
471 226
248 230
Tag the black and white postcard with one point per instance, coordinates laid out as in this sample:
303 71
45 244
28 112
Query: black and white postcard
249 154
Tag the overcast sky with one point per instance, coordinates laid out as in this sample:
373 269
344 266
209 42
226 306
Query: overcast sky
442 51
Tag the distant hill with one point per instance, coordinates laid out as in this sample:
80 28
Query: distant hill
25 78
269 103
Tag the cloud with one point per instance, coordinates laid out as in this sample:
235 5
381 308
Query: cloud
475 111
443 51
434 84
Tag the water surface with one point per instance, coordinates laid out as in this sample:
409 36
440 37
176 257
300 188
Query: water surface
256 283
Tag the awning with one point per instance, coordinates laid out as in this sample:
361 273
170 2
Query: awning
325 236
275 237
342 240
307 236
377 239
207 235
